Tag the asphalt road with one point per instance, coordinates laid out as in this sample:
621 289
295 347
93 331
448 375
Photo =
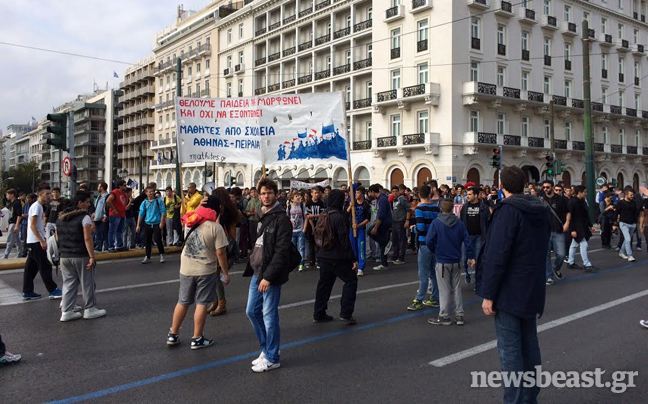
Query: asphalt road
384 359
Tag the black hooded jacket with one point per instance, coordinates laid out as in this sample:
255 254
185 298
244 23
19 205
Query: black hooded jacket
340 225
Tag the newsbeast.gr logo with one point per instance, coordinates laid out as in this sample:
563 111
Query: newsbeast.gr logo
621 380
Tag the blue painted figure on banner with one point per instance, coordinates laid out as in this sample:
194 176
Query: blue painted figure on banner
325 145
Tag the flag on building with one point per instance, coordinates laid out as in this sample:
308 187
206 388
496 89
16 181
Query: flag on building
115 75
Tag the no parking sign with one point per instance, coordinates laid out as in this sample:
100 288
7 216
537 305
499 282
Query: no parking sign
67 166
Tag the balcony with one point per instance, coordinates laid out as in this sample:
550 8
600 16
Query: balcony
505 9
475 43
259 61
342 33
322 4
568 65
410 91
535 96
422 45
305 12
403 97
404 144
420 5
501 49
260 31
394 13
636 81
604 74
527 15
631 149
205 93
389 141
259 91
569 29
631 112
511 92
616 148
274 87
559 100
616 110
547 60
342 69
239 68
591 34
560 144
576 103
512 140
386 96
417 138
605 40
599 147
228 72
597 106
322 75
274 26
304 46
621 77
288 83
395 53
363 103
323 39
536 142
476 138
289 51
362 145
361 26
305 79
204 49
478 4
289 19
624 46
274 56
638 50
525 55
549 22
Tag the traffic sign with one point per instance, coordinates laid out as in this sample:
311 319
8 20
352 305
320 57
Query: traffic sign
600 181
67 166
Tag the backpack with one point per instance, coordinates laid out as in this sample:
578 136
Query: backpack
324 237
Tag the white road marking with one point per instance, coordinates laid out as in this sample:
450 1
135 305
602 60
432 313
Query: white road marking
8 294
447 360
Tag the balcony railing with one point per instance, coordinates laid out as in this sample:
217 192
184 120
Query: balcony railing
621 77
578 145
259 91
535 96
486 138
616 148
418 3
289 51
506 6
322 75
260 31
305 12
525 55
361 64
615 110
568 64
604 73
395 53
553 21
413 90
536 142
578 103
273 87
274 56
347 105
289 19
644 114
571 27
362 25
363 103
485 88
342 69
547 60
631 149
386 141
501 49
511 92
558 100
644 150
597 106
560 144
599 147
260 61
342 33
274 26
305 79
305 45
322 4
530 14
322 39
288 83
386 96
591 33
512 140
475 43
631 112
362 145
417 138
422 45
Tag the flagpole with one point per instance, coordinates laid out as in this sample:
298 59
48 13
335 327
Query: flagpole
179 187
350 177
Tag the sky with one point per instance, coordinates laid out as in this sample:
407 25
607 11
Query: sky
35 81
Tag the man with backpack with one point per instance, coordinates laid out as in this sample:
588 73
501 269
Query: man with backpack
380 230
400 215
560 220
152 212
337 260
362 216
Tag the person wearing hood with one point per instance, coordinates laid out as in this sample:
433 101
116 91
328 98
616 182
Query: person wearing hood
269 268
511 276
445 238
581 229
337 262
76 248
203 255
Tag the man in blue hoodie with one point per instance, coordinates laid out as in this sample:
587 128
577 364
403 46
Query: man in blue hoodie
511 278
445 238
380 230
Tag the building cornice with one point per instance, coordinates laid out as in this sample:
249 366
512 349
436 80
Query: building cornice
610 13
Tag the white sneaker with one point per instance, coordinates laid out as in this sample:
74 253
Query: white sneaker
70 316
622 255
380 268
146 261
259 359
76 307
265 366
93 312
631 259
162 260
360 272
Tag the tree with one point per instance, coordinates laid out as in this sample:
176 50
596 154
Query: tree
26 177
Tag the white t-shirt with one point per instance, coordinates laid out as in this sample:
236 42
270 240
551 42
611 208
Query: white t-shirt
36 209
86 221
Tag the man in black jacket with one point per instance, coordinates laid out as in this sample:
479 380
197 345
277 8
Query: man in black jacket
581 229
475 215
269 268
337 262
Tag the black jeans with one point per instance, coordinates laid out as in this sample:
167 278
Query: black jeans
382 238
177 225
330 270
606 232
399 241
37 262
150 232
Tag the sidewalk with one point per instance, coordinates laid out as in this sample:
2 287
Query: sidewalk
19 263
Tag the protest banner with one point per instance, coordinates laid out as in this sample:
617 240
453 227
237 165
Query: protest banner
307 185
281 129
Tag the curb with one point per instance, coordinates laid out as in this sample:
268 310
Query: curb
104 256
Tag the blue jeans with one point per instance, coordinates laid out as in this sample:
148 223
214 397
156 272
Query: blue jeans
263 312
426 271
557 240
517 342
359 246
129 232
583 245
101 236
627 230
115 232
476 241
299 240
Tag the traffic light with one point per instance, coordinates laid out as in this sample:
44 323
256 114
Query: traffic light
559 167
58 129
496 158
551 159
232 182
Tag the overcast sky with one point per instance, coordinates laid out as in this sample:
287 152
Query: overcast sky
34 81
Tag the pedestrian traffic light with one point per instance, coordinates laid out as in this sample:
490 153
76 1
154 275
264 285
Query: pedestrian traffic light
232 182
559 167
58 129
496 158
551 159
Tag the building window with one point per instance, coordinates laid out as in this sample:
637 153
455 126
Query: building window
395 38
229 62
525 80
501 35
368 129
229 36
604 25
526 122
567 51
604 61
605 135
395 79
547 128
525 40
501 76
547 46
395 125
348 57
501 124
207 62
635 36
422 30
604 95
567 14
621 31
241 31
422 73
568 130
546 7
622 137
423 121
474 121
586 17
240 87
637 137
229 89
637 71
369 51
241 57
369 89
474 71
475 30
637 102
621 69
568 86
622 99
547 84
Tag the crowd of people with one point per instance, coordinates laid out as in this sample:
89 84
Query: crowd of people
455 232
